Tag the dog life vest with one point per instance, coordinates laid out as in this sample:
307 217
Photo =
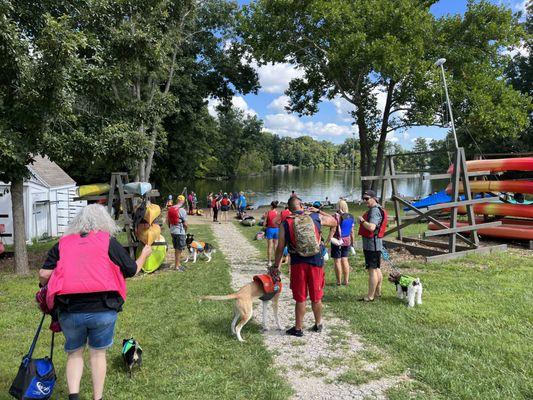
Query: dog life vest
380 230
84 266
405 281
270 287
270 218
198 246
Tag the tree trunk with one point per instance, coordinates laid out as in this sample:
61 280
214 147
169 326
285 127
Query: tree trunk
150 157
365 148
383 134
142 164
19 227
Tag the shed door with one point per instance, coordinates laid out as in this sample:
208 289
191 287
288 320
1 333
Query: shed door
41 220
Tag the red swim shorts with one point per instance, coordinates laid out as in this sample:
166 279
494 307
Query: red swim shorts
307 278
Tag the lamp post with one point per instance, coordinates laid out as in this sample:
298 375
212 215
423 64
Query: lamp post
440 63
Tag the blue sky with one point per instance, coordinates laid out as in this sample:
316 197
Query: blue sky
332 122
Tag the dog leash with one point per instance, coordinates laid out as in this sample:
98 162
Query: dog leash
386 256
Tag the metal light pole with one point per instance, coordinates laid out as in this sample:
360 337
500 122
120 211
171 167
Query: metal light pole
440 62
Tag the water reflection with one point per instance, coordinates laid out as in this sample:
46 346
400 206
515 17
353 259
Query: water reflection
309 184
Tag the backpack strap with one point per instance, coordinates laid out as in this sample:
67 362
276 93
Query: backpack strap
34 342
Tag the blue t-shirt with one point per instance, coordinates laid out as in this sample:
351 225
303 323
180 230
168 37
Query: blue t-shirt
242 201
346 224
318 259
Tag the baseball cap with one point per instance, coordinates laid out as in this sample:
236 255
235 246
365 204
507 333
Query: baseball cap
370 193
181 197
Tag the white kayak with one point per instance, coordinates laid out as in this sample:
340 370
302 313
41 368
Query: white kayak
140 188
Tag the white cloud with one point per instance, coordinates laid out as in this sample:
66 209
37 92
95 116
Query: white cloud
275 78
291 125
522 6
428 139
279 104
344 108
398 137
236 101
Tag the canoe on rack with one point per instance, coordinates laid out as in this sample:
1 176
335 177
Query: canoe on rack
499 165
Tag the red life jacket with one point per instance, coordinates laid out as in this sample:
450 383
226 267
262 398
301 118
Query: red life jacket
224 202
271 217
285 214
84 266
214 203
173 215
380 229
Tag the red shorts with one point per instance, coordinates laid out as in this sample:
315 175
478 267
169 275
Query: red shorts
307 278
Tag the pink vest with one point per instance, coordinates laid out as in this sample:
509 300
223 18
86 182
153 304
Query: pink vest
84 266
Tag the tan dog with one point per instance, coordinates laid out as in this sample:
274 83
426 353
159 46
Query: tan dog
244 305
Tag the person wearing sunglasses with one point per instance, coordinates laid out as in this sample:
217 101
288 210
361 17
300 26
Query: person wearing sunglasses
370 224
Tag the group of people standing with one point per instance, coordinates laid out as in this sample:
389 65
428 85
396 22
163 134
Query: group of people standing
85 272
224 202
298 231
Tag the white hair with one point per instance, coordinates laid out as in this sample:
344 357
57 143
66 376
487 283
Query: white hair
94 217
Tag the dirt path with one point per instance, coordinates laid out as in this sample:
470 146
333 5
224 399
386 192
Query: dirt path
314 363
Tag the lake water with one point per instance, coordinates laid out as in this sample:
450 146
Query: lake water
309 184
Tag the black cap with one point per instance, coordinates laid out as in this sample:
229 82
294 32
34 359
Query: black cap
370 193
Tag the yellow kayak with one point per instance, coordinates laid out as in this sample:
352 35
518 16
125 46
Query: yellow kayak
154 260
148 234
94 189
152 212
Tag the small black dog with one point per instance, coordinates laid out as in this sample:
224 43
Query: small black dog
131 353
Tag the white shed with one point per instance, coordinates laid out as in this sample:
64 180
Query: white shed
48 201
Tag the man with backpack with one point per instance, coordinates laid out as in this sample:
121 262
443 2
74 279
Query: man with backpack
177 222
372 228
301 232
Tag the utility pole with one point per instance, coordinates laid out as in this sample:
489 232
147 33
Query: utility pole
440 63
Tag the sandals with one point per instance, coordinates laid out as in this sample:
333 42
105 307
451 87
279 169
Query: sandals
365 299
294 332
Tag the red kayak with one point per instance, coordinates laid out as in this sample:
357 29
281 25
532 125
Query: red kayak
497 186
505 231
503 209
499 165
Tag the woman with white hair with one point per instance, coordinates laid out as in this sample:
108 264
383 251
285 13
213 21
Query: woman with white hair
344 239
85 273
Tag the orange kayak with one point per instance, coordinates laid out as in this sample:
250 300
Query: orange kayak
148 234
503 209
499 165
504 231
497 186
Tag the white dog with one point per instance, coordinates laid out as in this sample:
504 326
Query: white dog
407 286
196 248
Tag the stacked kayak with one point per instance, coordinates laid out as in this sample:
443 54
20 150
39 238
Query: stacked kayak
519 186
94 189
507 230
154 260
140 188
501 209
499 165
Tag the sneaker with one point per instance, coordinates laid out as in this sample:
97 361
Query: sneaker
317 328
294 332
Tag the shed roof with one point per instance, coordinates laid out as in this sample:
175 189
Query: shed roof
50 173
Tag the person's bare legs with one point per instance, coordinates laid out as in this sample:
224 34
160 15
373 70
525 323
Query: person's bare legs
338 272
269 252
177 258
300 313
97 359
345 270
373 280
74 370
378 286
317 311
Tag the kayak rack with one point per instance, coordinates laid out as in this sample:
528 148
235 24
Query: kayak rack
122 202
434 250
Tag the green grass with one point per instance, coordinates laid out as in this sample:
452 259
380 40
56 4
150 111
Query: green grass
471 339
189 352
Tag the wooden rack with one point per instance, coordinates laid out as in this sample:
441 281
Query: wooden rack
116 192
459 176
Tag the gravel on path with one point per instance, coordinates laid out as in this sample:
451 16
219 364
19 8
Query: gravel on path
312 364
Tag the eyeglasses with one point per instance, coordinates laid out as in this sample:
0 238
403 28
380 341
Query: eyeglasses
366 198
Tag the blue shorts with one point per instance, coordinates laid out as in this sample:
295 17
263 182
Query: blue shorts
272 233
96 328
339 251
285 251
